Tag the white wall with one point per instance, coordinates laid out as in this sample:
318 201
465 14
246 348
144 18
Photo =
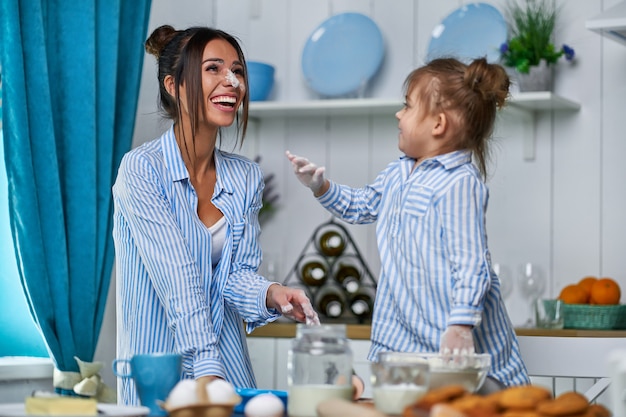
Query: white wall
562 211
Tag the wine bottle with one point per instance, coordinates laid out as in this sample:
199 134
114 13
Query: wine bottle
314 271
362 303
331 302
348 276
332 243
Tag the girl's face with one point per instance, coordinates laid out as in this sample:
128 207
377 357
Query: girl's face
223 86
415 138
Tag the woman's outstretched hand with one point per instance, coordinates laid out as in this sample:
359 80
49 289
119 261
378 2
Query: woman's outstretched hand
292 303
309 174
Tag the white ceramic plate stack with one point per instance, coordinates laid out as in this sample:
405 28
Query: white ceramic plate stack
342 55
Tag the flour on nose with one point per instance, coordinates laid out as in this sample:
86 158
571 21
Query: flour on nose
232 79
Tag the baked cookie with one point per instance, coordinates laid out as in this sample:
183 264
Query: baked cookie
472 402
566 404
440 395
445 410
524 397
597 410
494 399
521 413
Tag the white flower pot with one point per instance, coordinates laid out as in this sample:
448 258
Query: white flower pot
539 78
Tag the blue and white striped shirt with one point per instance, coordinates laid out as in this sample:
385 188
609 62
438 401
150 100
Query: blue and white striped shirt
435 263
169 297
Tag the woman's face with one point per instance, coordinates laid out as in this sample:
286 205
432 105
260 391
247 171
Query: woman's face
223 86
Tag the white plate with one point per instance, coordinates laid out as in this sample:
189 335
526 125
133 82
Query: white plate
474 30
18 410
342 54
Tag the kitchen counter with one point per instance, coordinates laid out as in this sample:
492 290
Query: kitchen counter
288 330
362 332
567 354
522 331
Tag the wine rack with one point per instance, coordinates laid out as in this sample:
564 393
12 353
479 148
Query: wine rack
333 273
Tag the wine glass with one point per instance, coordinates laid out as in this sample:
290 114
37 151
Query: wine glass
504 276
532 284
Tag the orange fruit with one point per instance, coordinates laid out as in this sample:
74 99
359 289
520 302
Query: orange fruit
605 291
573 294
586 283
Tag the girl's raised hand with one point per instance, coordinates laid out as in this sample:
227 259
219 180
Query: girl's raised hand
308 173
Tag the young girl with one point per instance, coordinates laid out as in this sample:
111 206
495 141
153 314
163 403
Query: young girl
437 290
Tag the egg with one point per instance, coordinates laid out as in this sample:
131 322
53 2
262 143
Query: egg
264 405
183 394
220 392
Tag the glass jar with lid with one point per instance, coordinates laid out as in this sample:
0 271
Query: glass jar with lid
319 368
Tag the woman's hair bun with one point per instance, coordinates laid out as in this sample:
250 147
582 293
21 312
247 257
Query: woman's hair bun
157 41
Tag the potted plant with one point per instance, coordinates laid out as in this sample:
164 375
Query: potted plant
269 195
530 48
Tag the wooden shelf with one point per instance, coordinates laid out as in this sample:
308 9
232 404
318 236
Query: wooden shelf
610 23
532 101
542 101
529 104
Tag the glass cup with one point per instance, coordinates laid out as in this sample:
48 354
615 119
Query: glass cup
319 367
398 379
548 314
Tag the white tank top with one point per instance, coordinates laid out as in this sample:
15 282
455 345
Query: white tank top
218 237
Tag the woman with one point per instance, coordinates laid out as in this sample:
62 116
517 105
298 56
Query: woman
186 221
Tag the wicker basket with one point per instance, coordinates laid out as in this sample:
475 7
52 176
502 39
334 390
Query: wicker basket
597 317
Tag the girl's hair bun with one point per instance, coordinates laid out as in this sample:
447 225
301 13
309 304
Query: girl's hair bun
159 39
490 81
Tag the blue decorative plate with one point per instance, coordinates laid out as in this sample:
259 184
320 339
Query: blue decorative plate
472 31
342 54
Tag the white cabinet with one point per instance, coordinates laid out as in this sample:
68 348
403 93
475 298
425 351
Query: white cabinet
269 361
360 349
21 375
263 356
280 371
571 359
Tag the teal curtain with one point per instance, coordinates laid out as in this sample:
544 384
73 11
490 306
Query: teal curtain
18 334
70 82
